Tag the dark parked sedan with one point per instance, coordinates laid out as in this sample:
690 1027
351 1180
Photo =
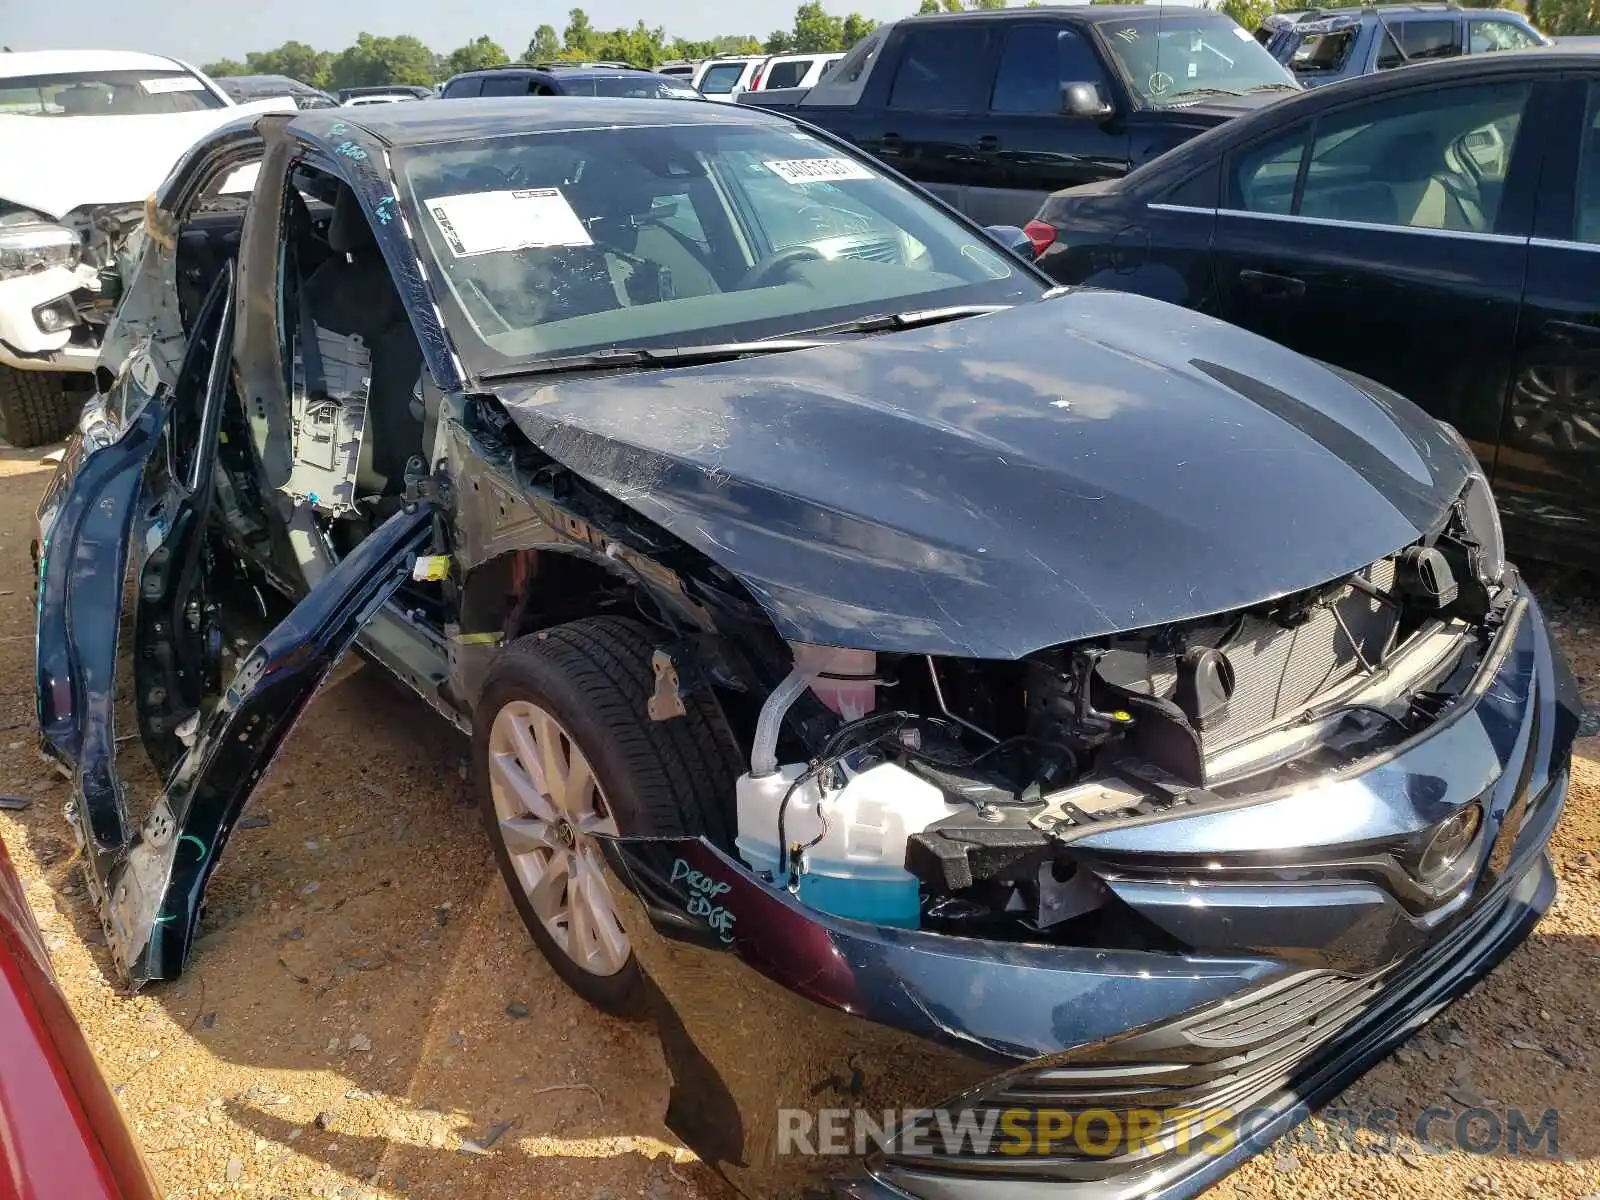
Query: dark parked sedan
902 682
1436 229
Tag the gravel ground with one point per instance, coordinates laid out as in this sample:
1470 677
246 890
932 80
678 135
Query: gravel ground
364 1015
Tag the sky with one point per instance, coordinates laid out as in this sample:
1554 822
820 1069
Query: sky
201 31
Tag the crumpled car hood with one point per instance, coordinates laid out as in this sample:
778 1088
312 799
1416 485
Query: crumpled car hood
54 165
1089 464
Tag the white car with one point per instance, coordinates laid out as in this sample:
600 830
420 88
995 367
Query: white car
85 136
792 71
385 98
722 79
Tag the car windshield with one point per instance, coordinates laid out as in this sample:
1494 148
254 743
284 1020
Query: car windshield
720 79
565 242
1182 57
105 94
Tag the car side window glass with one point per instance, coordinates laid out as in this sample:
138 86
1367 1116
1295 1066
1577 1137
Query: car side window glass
1264 175
936 74
1484 36
1424 160
1586 227
505 85
788 74
464 87
1429 39
1034 63
1389 56
1197 191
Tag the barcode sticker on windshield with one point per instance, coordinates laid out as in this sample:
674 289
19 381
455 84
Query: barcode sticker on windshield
171 83
816 170
524 219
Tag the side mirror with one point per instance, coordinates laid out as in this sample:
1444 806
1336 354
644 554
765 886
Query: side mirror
1013 239
1085 100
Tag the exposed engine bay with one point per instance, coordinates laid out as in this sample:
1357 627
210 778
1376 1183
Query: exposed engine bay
950 792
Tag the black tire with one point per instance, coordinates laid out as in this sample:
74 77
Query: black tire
34 408
662 778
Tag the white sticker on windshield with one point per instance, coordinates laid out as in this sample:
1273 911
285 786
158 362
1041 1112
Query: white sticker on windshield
486 222
171 83
816 170
1243 34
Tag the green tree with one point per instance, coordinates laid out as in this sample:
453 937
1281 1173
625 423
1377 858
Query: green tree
856 27
578 34
816 30
224 67
735 44
779 41
1565 18
294 59
378 60
544 46
639 46
477 54
928 6
1249 13
981 5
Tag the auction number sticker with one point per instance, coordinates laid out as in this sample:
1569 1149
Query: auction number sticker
171 83
816 170
523 219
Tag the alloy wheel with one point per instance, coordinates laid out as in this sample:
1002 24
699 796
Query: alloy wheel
549 807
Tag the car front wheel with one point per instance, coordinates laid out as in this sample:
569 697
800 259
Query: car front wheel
564 752
34 408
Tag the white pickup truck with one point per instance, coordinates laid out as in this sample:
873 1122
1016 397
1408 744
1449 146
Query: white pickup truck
85 136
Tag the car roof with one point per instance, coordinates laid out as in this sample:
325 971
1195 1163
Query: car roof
1352 16
1087 13
558 72
1462 67
66 62
255 82
470 117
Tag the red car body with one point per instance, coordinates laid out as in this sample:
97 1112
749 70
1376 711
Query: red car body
61 1133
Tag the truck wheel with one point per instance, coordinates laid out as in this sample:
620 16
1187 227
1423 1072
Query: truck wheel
34 409
563 749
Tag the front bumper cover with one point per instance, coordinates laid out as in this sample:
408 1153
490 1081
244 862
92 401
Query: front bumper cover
26 347
774 1017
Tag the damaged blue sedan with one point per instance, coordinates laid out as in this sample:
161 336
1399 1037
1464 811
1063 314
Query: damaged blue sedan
1072 735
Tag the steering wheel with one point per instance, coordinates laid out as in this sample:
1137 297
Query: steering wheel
776 263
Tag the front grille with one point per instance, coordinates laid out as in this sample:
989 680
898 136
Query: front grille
1279 671
1232 1056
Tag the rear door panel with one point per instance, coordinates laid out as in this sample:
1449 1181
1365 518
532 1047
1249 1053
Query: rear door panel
1428 311
1547 471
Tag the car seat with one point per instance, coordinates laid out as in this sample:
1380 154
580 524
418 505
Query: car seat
353 293
81 100
653 262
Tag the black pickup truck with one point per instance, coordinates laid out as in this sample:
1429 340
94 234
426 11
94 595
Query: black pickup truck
993 110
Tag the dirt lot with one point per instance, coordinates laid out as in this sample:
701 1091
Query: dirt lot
364 1015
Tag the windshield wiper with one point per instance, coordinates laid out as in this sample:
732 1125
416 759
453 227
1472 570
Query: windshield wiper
914 318
1186 93
645 356
1272 87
